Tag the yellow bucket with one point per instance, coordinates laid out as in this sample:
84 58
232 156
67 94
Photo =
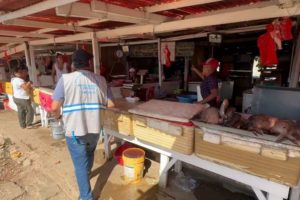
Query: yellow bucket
133 164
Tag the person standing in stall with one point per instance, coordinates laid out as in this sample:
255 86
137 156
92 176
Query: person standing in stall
21 91
59 68
209 85
81 94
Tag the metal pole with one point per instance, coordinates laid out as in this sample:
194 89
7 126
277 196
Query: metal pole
296 65
32 67
159 63
96 54
27 55
186 72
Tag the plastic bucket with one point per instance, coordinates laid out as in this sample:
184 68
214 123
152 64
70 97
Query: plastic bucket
119 152
57 128
133 164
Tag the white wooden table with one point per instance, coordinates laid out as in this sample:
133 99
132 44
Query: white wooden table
263 188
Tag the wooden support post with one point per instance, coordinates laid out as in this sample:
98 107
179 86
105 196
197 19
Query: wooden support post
186 73
160 70
96 54
32 67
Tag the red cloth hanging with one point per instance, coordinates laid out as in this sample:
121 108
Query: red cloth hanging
65 58
167 54
267 50
286 25
6 56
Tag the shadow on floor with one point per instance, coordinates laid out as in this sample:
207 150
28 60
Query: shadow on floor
103 174
150 194
147 165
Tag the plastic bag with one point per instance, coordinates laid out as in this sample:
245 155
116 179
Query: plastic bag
186 183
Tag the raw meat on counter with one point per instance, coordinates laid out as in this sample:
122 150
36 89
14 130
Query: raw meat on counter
226 116
257 124
284 129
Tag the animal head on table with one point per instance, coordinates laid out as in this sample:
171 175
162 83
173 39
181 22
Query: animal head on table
286 129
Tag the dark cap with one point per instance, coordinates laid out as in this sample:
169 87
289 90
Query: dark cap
81 58
20 67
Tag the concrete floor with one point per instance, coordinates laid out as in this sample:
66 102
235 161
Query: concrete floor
50 173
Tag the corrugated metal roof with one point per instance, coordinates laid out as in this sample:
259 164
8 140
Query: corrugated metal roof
50 16
11 5
16 28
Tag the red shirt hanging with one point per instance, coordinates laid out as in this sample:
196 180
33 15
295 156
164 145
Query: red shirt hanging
167 54
267 50
286 25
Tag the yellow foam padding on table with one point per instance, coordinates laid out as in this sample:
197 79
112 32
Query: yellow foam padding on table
286 172
117 121
36 96
180 143
7 88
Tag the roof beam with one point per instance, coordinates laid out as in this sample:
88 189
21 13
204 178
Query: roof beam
90 21
38 7
76 24
64 39
234 9
120 12
177 5
45 30
25 34
12 39
30 23
240 14
244 13
266 10
126 31
85 11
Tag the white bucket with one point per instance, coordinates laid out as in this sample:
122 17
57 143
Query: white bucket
57 128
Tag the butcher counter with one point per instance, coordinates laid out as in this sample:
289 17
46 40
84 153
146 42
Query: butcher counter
265 169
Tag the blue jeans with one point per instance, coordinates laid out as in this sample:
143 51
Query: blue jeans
82 153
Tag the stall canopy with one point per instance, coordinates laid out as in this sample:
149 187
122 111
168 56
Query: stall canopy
37 22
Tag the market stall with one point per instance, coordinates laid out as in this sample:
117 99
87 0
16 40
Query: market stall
259 162
148 51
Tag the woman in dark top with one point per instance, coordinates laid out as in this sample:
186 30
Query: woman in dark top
209 86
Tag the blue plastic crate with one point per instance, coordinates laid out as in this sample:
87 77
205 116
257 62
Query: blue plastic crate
187 98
